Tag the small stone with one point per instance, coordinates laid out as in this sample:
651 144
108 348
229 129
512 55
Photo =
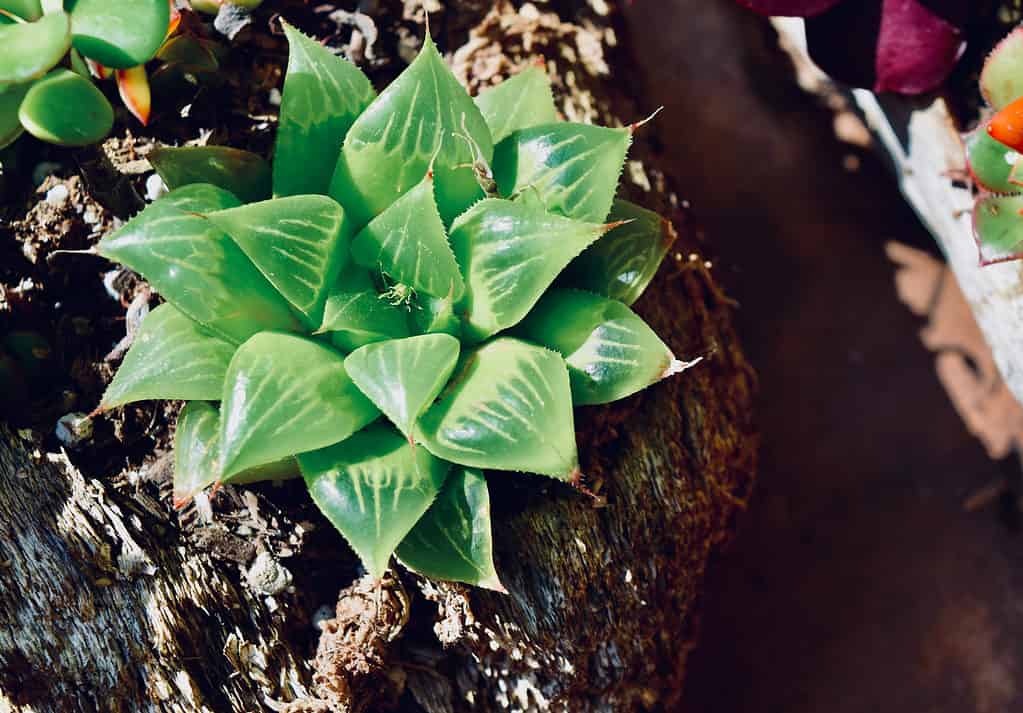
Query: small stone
267 575
74 428
274 96
58 195
155 187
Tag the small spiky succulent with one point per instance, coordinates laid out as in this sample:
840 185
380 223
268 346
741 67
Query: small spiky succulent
51 49
387 324
994 157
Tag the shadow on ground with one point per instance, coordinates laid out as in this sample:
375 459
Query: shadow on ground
858 582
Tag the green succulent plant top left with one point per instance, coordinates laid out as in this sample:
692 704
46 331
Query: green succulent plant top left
386 310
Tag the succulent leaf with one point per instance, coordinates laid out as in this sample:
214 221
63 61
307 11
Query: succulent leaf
43 111
300 243
189 53
572 168
243 173
436 315
623 261
998 227
323 95
196 446
452 540
356 315
30 49
424 117
25 9
1001 80
172 357
510 253
407 242
285 395
11 97
521 102
1007 125
404 376
508 407
990 161
373 488
611 353
133 86
118 33
197 267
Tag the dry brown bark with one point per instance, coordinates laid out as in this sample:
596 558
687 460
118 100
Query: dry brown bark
108 604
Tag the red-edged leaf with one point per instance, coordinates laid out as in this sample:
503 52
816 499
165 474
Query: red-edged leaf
98 70
133 86
175 19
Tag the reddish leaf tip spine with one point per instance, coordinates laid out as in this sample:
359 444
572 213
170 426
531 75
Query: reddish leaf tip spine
635 126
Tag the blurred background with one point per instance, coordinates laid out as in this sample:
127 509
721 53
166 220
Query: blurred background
878 566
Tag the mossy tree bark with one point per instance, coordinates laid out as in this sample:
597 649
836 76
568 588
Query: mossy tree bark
107 602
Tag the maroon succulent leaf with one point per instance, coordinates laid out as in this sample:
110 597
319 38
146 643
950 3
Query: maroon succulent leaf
789 8
916 48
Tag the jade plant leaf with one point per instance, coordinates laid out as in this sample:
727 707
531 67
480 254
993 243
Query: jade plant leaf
573 168
118 33
30 49
424 116
403 376
521 102
243 173
44 114
133 88
197 267
998 228
407 242
355 314
373 488
10 101
300 243
25 9
624 260
452 540
1001 80
510 253
323 94
284 395
508 407
172 357
990 161
611 353
196 447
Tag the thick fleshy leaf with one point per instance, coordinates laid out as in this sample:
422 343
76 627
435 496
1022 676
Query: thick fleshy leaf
44 110
508 407
10 101
402 377
509 254
323 94
1006 126
789 8
172 357
25 9
998 228
436 315
1001 81
623 261
990 161
197 267
31 49
572 168
611 353
407 243
133 86
300 243
373 488
285 395
196 447
452 540
118 33
356 315
189 53
424 116
905 46
523 101
243 173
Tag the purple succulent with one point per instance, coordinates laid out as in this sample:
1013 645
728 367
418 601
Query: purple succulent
905 46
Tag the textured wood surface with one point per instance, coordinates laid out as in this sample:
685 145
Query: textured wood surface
602 611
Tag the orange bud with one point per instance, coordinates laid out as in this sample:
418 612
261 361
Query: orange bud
1007 126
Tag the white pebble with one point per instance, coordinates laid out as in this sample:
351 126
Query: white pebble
155 187
57 195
